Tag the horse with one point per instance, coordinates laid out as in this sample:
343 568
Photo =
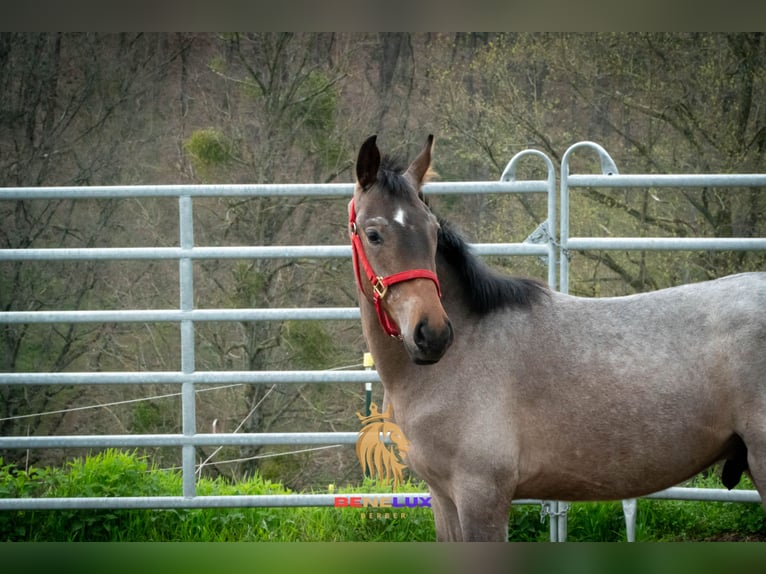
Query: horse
508 389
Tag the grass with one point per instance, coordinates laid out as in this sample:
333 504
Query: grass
673 520
116 473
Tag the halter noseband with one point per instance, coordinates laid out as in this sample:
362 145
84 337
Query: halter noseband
381 284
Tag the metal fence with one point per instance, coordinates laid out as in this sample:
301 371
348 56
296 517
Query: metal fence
187 375
542 243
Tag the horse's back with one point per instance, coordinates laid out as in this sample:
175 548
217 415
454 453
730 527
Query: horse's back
721 306
712 332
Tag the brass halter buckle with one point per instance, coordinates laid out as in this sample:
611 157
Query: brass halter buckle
380 287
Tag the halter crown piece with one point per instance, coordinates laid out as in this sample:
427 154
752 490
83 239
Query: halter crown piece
379 283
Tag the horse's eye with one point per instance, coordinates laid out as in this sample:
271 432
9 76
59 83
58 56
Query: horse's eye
374 237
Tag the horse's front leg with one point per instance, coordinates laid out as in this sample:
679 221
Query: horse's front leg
446 518
483 511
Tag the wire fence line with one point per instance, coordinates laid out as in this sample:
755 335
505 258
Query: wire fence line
141 399
112 404
210 457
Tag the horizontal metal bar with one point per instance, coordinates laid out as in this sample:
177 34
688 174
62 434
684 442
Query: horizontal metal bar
176 315
346 189
510 248
706 494
229 252
305 500
233 501
175 253
163 502
199 377
666 243
668 180
154 440
255 190
221 190
160 253
485 187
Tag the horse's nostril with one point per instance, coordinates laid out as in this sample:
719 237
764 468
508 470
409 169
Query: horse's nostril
420 335
427 338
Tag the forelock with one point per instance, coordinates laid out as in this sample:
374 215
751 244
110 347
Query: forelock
391 176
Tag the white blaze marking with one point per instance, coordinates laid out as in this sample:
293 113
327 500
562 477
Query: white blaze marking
400 217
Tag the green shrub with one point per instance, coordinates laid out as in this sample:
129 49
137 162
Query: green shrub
118 473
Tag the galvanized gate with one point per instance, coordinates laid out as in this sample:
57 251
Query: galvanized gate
542 243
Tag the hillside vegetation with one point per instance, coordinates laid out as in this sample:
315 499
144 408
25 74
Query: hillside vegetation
107 109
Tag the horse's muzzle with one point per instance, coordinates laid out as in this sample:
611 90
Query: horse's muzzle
430 343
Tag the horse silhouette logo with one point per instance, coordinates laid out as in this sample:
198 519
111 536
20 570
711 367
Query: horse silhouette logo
381 446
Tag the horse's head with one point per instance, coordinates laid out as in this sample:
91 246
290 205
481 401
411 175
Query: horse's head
394 238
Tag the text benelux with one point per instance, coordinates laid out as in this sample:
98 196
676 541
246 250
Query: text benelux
383 501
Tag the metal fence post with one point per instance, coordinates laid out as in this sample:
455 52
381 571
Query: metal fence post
629 509
186 288
509 174
608 167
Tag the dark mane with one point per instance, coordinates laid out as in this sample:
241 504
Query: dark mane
391 176
484 289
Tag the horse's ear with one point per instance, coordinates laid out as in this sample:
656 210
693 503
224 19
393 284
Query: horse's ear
419 167
367 163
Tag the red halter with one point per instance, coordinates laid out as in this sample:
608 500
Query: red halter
380 284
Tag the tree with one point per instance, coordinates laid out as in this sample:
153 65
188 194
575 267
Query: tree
67 103
660 103
273 102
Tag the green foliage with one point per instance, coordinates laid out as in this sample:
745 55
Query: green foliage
146 417
309 344
115 473
318 110
680 520
525 524
595 522
316 102
209 148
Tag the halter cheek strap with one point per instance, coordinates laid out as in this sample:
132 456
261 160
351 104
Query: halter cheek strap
379 283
